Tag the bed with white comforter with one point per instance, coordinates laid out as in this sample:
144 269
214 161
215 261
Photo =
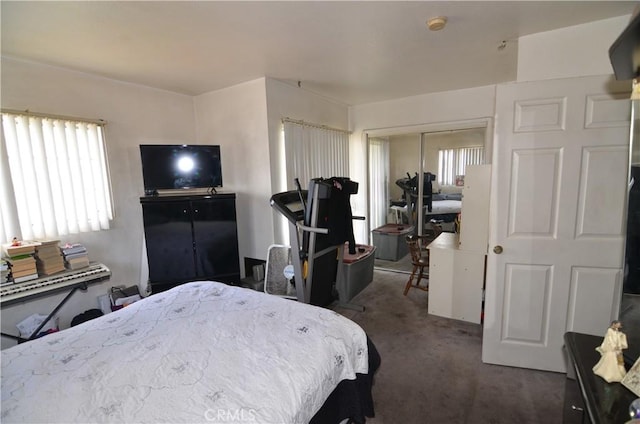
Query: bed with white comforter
444 207
201 352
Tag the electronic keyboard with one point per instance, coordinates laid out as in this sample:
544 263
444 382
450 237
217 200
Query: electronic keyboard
16 292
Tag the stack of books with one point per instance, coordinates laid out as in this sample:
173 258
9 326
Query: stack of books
48 258
5 273
22 263
75 256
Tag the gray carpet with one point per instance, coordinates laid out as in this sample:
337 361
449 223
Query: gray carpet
432 371
401 265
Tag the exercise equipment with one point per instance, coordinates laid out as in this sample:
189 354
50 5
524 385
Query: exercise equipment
320 227
409 187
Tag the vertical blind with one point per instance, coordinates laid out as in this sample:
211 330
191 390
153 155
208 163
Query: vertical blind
378 181
452 162
55 179
314 151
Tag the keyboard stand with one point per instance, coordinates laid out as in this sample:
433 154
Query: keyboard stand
81 286
94 274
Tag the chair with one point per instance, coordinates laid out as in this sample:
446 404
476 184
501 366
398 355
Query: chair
420 262
420 257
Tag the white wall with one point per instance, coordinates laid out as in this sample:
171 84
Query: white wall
135 115
236 119
286 101
246 120
404 156
580 50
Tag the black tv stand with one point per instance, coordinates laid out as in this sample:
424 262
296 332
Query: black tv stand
190 237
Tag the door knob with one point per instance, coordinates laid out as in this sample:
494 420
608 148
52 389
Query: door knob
497 249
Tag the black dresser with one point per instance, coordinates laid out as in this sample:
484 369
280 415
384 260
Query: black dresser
588 398
191 238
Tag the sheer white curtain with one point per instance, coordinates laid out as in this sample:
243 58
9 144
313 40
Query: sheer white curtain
452 162
313 151
55 179
378 181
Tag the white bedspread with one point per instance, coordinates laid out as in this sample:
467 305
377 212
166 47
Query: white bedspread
441 207
202 352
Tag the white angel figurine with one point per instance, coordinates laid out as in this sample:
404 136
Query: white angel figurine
611 363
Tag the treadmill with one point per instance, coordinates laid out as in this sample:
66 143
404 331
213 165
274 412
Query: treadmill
319 225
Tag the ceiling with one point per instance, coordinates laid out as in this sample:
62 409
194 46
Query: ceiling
352 52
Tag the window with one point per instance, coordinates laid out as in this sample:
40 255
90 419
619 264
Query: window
55 179
311 151
314 151
453 162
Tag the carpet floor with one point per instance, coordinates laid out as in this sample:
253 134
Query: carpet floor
401 265
432 371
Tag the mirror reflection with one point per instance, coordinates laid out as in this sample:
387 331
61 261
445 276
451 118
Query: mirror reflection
630 308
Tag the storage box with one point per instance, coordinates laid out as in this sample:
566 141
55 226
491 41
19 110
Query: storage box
356 272
390 241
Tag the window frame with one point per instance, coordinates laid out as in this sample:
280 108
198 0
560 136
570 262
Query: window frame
457 159
56 178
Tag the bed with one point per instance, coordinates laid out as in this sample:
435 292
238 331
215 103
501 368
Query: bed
445 210
201 352
444 207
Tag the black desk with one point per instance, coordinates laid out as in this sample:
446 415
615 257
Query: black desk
602 402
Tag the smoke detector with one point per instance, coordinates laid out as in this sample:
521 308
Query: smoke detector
437 23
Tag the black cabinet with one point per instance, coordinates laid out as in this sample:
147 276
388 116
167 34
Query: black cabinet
588 398
573 411
191 238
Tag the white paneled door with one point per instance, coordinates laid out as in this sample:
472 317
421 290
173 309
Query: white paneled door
556 232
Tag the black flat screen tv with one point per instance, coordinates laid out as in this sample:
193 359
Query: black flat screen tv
180 166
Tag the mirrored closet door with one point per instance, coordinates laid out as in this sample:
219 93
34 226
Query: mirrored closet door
630 308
